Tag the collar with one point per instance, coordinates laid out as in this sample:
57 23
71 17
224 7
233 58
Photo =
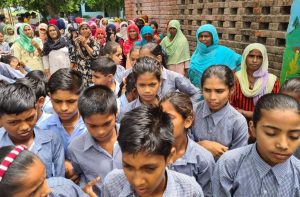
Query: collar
189 155
216 116
279 170
164 74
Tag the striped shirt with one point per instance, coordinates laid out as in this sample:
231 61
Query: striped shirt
242 172
178 185
62 187
226 126
240 101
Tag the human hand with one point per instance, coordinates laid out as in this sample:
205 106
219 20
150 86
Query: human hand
88 188
215 148
35 44
70 173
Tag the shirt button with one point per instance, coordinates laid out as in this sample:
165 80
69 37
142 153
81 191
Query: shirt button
265 192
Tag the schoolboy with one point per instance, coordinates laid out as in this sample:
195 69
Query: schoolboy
96 152
18 116
268 167
103 71
39 89
145 138
65 86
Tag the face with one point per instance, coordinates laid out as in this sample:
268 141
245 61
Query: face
104 22
147 87
65 104
20 126
42 32
35 184
179 123
100 35
100 79
52 32
145 173
110 30
14 63
132 34
173 31
134 55
28 32
85 31
117 56
216 93
148 37
75 35
277 137
254 60
10 31
147 53
101 126
154 28
205 38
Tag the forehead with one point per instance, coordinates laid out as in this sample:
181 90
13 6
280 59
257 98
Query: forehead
27 28
98 118
168 107
255 52
146 78
64 95
142 159
146 52
24 115
52 28
278 118
205 33
214 82
98 74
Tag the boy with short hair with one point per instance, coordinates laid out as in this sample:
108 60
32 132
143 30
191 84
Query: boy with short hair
103 71
146 140
96 152
65 86
18 117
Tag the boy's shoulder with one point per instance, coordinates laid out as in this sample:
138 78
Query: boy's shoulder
115 182
182 185
78 143
233 158
198 153
50 121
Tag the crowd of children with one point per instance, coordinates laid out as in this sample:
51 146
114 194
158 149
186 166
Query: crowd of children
129 126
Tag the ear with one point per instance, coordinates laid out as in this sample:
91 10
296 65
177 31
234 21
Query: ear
252 129
159 58
110 77
171 157
41 101
188 122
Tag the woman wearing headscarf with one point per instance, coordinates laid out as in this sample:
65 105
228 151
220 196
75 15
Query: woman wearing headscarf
42 29
93 26
177 48
28 49
55 51
85 49
208 52
9 34
111 33
253 80
123 30
157 36
147 36
133 36
103 22
100 36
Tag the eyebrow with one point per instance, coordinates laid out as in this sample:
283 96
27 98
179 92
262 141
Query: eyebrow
275 128
143 166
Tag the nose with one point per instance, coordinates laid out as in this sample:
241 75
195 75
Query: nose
138 180
213 96
283 143
254 59
147 89
64 107
24 126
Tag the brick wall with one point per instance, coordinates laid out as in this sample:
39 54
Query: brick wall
239 22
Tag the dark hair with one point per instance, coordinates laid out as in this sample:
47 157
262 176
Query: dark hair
97 99
104 65
110 48
181 102
222 72
39 75
154 23
146 64
291 85
129 86
140 23
3 83
274 101
156 50
16 98
8 58
146 129
36 85
16 173
66 79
